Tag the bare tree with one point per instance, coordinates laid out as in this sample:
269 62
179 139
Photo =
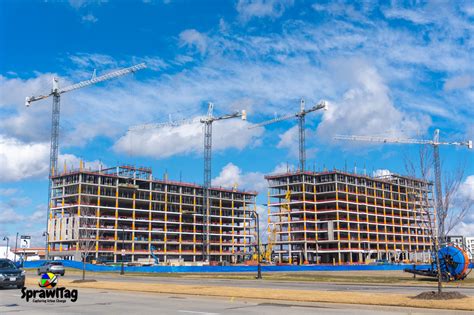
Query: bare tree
455 208
88 231
440 220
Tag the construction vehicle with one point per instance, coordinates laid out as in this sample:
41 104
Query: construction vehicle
272 229
454 265
152 249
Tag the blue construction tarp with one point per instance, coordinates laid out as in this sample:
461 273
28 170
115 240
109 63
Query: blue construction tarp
223 269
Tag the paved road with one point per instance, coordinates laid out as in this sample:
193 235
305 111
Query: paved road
302 285
91 301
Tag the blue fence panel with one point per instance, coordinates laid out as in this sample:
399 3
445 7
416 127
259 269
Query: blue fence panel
224 269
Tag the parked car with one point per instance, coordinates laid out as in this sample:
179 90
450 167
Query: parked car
10 275
55 267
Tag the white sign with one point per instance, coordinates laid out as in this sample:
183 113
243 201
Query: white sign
25 241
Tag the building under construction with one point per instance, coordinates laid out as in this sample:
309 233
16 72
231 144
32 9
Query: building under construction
337 217
126 214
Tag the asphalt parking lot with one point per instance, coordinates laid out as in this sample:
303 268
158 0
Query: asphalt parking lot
92 301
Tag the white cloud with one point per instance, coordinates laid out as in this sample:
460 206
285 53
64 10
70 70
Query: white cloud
153 63
8 216
194 39
89 18
468 9
20 160
466 189
290 140
186 139
92 61
79 4
249 9
76 4
24 220
466 194
283 168
263 218
228 177
382 74
459 82
366 107
381 173
231 175
38 215
19 121
413 16
73 162
7 191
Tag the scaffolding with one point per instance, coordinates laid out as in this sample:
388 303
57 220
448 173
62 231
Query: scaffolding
335 217
137 218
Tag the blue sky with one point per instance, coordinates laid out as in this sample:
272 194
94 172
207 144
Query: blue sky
388 69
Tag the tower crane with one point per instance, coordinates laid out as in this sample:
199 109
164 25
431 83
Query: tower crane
207 122
435 143
56 92
301 115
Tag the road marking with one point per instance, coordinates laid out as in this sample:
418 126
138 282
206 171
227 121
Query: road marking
194 312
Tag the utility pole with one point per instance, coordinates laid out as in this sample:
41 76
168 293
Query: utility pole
301 116
56 92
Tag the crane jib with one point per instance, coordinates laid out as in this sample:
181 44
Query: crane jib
79 85
102 78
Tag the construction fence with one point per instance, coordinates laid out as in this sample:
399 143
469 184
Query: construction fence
225 269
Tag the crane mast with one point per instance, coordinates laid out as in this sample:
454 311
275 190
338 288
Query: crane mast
301 116
207 125
56 92
302 135
207 122
435 143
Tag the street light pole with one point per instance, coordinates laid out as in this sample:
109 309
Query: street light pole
16 247
8 240
122 271
46 249
259 266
